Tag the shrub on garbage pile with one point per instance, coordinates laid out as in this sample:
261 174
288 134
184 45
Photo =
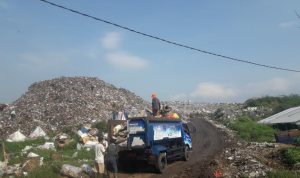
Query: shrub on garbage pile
277 103
249 130
283 174
297 141
291 156
101 126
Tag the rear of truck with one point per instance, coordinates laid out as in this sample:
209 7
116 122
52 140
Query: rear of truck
154 140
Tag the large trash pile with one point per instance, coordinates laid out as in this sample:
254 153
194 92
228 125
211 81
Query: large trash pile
54 104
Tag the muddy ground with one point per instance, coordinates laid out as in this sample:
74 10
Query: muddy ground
208 143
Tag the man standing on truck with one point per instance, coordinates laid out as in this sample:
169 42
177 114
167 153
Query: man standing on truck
155 104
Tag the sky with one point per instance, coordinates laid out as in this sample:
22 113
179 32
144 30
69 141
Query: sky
42 42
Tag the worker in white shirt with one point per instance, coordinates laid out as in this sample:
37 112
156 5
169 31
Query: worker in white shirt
99 157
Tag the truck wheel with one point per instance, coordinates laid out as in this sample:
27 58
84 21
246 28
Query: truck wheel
161 162
186 155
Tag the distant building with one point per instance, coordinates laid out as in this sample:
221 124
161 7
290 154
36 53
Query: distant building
288 124
289 116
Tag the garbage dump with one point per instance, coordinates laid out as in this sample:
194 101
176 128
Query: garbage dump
71 171
60 102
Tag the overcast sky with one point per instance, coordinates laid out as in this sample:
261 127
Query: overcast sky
41 42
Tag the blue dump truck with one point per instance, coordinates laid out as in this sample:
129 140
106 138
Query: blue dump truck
154 140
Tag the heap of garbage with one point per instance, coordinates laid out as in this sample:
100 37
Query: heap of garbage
54 104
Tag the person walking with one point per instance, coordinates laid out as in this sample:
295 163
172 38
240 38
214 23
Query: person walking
155 104
99 157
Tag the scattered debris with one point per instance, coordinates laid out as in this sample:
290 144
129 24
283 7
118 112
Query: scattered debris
32 155
48 146
87 169
16 137
38 132
71 171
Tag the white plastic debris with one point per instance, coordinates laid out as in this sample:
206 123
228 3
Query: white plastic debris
116 129
41 161
80 133
32 155
75 154
48 146
63 136
71 171
38 132
79 146
16 137
25 174
87 169
24 150
105 135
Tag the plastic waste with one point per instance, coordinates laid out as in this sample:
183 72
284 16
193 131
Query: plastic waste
16 137
38 132
32 155
71 171
87 169
48 146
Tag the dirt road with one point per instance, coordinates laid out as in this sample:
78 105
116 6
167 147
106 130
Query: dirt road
208 143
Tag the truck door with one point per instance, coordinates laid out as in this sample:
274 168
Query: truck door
137 135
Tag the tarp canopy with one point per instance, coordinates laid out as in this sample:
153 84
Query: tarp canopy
291 115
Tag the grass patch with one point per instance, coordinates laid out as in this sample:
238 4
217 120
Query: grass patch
291 156
249 130
46 172
14 149
283 174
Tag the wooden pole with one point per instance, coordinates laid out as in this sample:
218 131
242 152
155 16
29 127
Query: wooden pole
4 153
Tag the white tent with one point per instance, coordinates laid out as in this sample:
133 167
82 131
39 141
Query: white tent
291 115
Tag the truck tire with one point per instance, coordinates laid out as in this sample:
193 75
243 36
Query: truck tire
186 155
161 162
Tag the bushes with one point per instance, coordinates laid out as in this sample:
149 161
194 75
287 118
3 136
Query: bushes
101 126
249 130
278 104
291 156
283 174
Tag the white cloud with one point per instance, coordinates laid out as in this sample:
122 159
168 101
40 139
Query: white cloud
275 85
126 61
287 24
212 90
111 40
44 62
